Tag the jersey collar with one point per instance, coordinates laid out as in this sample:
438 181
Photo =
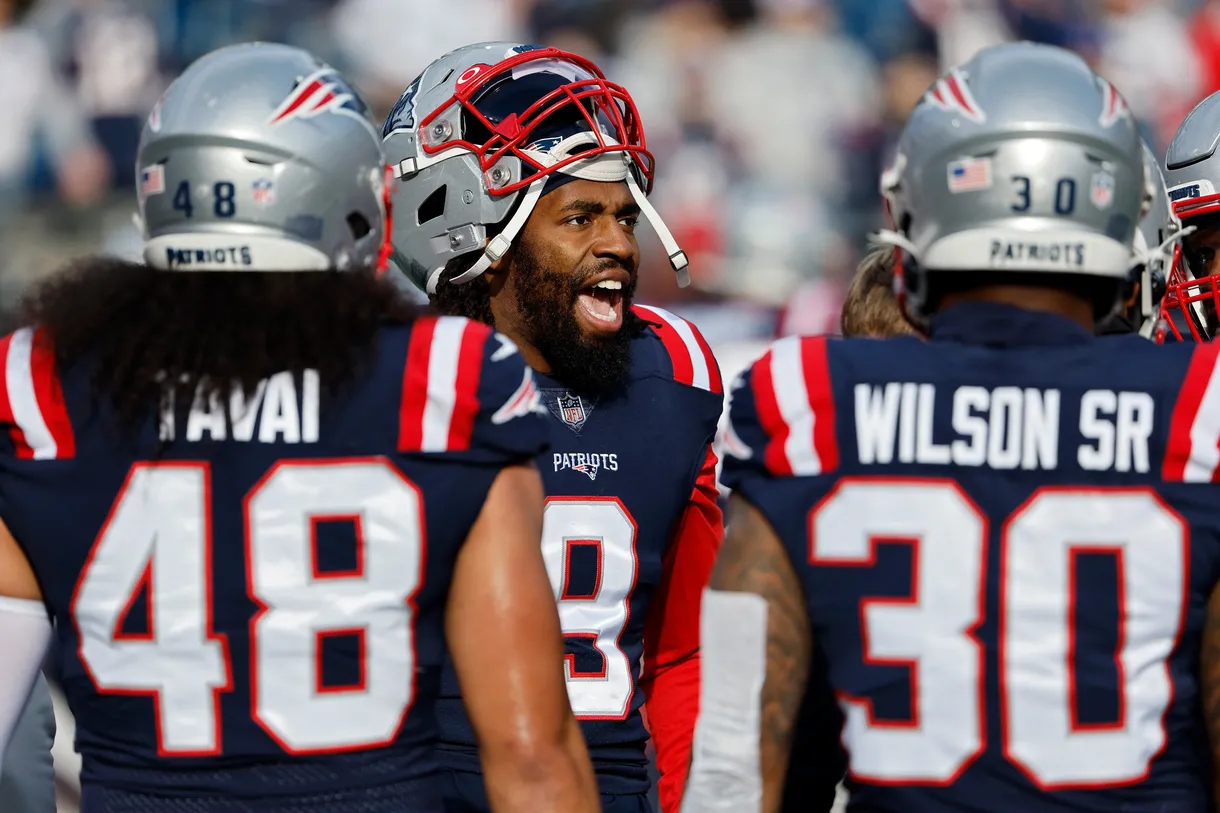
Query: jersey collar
997 325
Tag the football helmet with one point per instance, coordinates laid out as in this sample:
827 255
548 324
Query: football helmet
476 137
1156 242
1024 160
260 157
1192 170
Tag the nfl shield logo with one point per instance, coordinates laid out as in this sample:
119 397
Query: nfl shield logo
263 191
1101 190
572 410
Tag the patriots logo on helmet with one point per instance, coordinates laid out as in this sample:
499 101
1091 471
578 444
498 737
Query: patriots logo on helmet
323 91
523 49
952 94
1114 107
402 115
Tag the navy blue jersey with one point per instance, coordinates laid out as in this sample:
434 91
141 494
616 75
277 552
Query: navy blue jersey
255 610
630 532
1007 542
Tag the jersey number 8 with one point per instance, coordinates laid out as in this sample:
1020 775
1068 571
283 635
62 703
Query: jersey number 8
160 526
599 615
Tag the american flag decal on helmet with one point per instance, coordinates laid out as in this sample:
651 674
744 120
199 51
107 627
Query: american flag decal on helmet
323 91
952 94
1114 106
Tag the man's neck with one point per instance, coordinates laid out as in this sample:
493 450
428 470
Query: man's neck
1047 300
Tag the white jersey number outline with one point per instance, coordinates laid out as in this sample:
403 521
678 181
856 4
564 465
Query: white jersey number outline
161 525
932 631
604 524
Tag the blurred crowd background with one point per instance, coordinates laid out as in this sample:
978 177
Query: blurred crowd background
770 118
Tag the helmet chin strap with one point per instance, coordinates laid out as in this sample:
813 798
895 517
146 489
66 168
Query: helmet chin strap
499 245
889 237
605 168
677 257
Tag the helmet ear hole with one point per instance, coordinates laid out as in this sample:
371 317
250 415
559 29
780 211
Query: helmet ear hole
432 206
359 225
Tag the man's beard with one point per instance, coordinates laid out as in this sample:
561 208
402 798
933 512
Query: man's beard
546 302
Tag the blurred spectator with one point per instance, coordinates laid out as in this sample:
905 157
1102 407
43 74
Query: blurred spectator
789 92
386 43
39 109
114 59
1147 54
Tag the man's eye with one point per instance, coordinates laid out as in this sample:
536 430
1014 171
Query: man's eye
1202 259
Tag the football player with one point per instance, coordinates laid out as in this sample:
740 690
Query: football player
1193 174
1157 239
1002 538
258 494
523 174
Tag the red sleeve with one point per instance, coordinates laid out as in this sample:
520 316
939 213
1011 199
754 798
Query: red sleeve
670 677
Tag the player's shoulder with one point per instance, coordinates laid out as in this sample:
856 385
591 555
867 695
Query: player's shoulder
672 347
465 389
782 409
33 416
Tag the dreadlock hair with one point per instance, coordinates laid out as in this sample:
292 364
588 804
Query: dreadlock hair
209 333
471 299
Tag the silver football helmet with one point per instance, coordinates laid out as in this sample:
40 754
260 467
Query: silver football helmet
1156 241
1022 159
1193 173
476 137
260 157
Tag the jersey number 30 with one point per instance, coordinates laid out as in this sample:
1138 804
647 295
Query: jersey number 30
933 631
159 530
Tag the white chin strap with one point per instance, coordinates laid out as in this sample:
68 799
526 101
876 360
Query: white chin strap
614 167
1145 256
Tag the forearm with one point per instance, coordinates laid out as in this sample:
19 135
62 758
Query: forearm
25 633
672 706
555 778
1209 683
756 643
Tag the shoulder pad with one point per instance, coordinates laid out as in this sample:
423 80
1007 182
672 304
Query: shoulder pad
782 412
31 398
690 356
466 390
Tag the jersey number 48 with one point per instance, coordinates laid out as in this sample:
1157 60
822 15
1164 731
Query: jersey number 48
159 531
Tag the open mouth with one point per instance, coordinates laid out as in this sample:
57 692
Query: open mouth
602 303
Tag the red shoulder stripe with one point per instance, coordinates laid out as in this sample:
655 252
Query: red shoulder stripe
1192 449
440 384
795 405
31 398
693 362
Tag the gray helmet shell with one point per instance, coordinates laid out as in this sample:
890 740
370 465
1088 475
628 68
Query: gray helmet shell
1192 171
1192 167
454 186
260 157
1155 238
1022 159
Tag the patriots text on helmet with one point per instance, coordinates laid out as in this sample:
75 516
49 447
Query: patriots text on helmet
230 255
1057 255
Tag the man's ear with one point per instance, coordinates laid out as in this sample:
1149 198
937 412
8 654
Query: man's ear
501 265
497 273
1131 300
